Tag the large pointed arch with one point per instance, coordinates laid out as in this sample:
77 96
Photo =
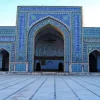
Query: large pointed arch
59 27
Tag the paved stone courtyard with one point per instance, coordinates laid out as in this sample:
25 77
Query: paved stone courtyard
49 87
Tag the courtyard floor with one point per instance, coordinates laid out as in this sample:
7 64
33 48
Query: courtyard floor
49 87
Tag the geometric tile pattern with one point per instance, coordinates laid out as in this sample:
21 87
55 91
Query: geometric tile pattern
79 41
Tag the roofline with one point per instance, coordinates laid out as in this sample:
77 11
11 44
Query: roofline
46 6
91 27
7 26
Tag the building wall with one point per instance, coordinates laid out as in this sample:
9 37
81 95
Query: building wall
8 43
78 41
91 42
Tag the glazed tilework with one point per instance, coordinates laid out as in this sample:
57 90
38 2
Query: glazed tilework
91 42
49 8
76 68
78 41
7 31
64 18
91 31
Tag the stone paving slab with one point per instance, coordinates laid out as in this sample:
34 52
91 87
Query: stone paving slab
49 87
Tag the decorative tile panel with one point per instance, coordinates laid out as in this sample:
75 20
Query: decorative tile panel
49 8
35 17
76 37
20 67
76 68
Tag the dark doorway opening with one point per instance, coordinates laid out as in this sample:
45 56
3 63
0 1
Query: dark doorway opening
60 67
94 61
4 60
38 67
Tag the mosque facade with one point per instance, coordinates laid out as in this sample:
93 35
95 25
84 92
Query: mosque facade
49 38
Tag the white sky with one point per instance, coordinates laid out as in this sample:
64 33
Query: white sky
91 10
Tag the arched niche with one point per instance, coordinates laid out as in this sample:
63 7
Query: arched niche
58 26
94 61
4 60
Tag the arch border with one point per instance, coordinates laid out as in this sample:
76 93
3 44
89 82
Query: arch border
92 51
46 17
